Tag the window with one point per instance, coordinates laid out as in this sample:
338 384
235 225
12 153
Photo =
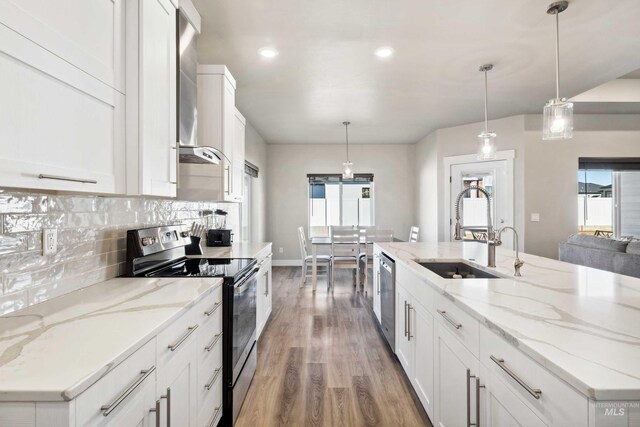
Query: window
609 197
336 202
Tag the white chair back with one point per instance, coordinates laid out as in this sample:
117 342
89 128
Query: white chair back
371 236
345 242
413 234
303 243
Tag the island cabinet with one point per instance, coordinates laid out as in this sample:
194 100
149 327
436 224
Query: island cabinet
377 309
172 380
264 297
466 374
414 337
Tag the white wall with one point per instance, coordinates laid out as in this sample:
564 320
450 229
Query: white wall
551 169
256 153
545 171
393 167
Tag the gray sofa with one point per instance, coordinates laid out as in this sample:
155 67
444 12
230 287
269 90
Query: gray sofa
621 257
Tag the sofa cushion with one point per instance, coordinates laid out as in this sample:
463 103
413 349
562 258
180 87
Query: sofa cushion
634 247
594 242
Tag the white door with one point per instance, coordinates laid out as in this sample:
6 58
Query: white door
497 178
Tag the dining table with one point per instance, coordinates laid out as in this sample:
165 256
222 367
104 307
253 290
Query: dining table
325 241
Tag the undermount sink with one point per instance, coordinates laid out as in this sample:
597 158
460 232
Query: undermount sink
449 269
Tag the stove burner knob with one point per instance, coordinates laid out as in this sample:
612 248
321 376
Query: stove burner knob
146 241
185 234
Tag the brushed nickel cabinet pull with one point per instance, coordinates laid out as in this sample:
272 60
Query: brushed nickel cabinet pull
409 319
532 391
156 410
212 309
67 178
212 344
108 409
216 373
449 319
190 329
406 331
215 416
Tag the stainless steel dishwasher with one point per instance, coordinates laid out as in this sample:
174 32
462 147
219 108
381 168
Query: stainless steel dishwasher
388 299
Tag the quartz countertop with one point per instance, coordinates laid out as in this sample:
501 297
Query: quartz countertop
236 250
580 323
55 350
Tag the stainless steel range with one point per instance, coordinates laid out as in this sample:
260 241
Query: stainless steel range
160 252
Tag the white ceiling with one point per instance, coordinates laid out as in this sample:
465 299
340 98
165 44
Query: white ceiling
326 71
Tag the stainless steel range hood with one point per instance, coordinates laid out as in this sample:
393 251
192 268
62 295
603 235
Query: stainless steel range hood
189 151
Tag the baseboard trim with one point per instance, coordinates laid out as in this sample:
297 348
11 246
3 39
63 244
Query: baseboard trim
286 263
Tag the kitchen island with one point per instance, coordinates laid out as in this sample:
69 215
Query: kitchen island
573 329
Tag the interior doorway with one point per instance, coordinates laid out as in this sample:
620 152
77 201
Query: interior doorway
496 177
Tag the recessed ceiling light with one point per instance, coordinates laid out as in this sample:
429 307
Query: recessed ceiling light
384 52
268 52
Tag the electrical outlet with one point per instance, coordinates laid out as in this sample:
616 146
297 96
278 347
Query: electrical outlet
535 217
49 241
281 250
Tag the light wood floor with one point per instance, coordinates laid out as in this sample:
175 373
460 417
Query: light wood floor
323 362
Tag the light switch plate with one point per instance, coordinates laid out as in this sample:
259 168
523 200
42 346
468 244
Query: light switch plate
535 217
281 250
49 241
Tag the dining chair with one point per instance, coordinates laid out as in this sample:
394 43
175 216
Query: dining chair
366 256
413 234
323 262
345 251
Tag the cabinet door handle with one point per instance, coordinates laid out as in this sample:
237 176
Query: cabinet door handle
378 280
190 329
535 392
405 319
228 180
212 344
409 321
108 409
478 387
266 293
449 319
67 178
156 410
212 309
215 416
169 407
216 373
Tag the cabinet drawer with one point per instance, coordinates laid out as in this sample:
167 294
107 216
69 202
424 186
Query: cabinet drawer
461 324
210 392
416 286
176 337
111 394
557 403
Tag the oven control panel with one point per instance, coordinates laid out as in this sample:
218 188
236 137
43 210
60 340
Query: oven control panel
157 239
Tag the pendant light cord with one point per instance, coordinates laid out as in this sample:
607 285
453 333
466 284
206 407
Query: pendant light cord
557 56
346 130
486 104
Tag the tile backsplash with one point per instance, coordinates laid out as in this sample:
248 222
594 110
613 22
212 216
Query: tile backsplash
91 239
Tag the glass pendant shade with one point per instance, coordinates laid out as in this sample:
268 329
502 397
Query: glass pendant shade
486 145
557 120
347 170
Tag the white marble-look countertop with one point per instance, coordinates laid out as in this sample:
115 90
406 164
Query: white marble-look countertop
55 350
582 324
236 250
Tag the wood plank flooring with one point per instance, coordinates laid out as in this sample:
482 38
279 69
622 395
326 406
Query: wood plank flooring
323 362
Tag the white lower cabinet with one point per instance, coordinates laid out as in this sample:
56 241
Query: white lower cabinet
264 298
500 407
455 371
414 345
466 375
377 308
173 380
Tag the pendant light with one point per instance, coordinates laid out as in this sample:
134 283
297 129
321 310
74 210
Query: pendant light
486 138
347 167
558 113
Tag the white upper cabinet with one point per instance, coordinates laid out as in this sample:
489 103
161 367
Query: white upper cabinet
237 177
151 98
62 106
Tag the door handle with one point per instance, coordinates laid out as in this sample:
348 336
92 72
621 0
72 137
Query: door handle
409 321
535 392
405 319
478 387
156 410
107 409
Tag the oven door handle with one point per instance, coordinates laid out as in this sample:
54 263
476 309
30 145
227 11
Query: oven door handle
244 284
